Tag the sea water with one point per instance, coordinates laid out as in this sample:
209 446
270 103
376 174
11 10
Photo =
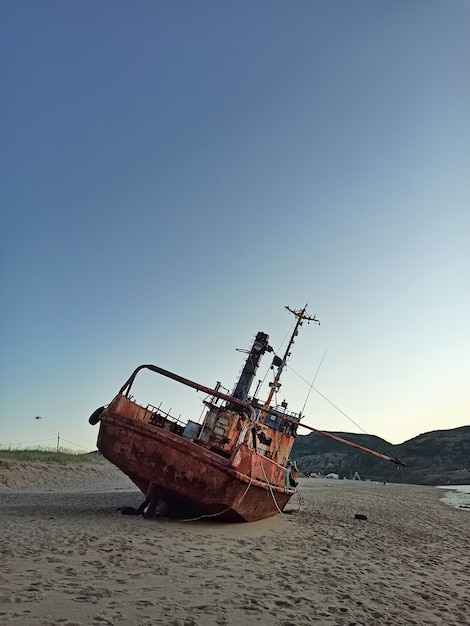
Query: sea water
457 496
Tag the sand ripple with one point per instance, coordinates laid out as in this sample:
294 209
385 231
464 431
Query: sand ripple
70 558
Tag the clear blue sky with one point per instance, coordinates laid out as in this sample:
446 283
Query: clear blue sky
174 173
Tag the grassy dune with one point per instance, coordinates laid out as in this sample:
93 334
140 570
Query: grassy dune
63 456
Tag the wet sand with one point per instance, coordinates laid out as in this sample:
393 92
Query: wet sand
69 557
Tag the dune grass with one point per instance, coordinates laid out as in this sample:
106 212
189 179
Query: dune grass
63 456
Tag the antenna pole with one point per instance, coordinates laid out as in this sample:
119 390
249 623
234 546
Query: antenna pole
301 315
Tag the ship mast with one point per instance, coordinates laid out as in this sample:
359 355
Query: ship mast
301 315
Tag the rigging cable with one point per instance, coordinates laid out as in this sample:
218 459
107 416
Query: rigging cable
313 382
329 401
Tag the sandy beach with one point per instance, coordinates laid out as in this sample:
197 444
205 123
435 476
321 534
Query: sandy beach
69 557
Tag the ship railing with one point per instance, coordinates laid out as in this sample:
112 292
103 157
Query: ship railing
166 415
213 400
279 412
291 415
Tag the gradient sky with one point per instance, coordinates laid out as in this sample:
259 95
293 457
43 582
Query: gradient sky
174 173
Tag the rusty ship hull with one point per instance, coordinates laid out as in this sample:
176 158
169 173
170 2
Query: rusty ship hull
190 479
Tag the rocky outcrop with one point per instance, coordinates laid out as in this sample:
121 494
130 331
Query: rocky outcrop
433 458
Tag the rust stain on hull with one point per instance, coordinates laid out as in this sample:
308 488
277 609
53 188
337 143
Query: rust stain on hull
192 480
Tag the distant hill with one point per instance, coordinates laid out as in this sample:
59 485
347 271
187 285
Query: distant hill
434 458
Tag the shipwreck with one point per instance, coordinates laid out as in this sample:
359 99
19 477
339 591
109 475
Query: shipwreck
234 466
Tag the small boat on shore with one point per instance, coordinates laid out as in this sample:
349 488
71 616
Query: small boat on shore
234 466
